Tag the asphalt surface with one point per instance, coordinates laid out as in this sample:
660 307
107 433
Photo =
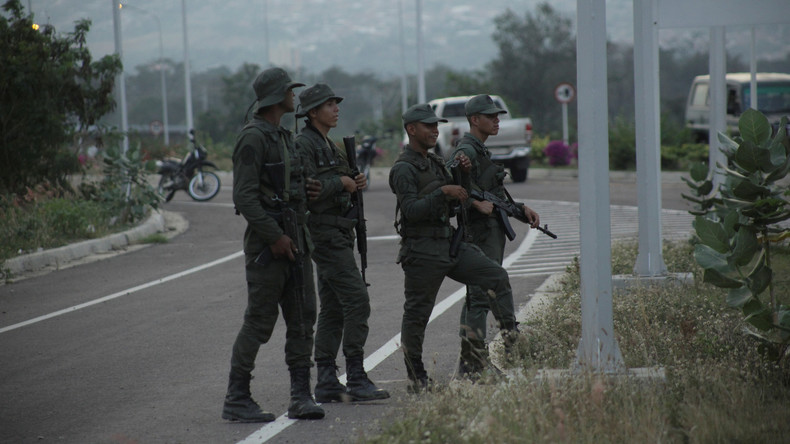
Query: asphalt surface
135 347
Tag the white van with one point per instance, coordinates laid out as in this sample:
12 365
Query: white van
773 100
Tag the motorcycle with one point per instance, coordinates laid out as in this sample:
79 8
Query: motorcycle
188 175
366 152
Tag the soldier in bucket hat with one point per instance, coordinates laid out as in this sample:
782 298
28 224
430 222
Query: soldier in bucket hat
345 304
488 234
426 196
263 147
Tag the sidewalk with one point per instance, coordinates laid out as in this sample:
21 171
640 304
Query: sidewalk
28 265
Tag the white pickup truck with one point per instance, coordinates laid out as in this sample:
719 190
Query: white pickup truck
510 146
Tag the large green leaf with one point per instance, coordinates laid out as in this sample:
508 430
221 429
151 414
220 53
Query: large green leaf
712 276
712 234
699 172
707 258
746 246
738 297
754 126
761 319
759 278
749 156
749 191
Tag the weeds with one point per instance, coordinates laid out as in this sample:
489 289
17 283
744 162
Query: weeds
719 387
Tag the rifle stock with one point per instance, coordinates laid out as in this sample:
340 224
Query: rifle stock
462 231
349 142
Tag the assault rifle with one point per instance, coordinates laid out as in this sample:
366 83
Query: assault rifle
289 219
358 209
505 208
462 231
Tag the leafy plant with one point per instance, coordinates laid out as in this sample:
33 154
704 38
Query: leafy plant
125 188
558 153
736 230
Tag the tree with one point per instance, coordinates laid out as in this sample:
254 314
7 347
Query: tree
535 54
50 91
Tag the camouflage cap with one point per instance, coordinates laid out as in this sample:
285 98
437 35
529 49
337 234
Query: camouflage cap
315 96
271 85
482 104
421 113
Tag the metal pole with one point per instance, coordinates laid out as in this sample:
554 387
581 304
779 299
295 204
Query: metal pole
404 93
162 80
187 80
420 57
266 33
649 260
598 350
565 123
753 71
116 20
717 65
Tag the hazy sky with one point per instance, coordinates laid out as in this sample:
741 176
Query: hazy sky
316 34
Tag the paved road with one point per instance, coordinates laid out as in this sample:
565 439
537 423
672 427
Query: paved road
137 346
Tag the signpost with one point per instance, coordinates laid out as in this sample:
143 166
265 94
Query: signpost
564 93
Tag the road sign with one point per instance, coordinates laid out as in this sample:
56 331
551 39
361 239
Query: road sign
564 93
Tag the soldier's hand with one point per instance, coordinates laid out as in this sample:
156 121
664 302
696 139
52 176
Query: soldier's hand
362 181
455 192
313 188
349 184
484 206
284 247
532 216
464 162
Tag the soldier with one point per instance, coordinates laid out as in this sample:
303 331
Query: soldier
345 304
264 148
486 232
425 193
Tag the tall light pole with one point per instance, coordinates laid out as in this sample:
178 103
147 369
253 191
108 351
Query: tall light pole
187 80
404 93
420 57
116 20
161 70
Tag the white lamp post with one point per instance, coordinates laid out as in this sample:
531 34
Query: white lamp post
161 70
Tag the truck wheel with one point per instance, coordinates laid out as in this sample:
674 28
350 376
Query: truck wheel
518 174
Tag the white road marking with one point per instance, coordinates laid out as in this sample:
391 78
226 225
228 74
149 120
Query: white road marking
123 292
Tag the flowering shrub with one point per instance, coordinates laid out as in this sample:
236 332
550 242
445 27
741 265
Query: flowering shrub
558 153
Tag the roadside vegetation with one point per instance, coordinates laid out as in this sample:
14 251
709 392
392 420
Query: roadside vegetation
721 384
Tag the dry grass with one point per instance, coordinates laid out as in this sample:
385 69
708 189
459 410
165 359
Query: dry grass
718 387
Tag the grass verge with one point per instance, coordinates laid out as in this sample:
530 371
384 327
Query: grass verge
719 387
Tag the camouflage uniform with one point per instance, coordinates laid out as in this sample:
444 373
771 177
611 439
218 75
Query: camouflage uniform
270 287
488 234
345 304
424 255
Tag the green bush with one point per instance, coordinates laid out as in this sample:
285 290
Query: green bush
682 157
536 154
622 144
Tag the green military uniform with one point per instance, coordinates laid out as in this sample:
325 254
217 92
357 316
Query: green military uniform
424 255
270 286
345 304
488 234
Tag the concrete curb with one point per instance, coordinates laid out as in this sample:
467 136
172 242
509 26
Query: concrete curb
57 257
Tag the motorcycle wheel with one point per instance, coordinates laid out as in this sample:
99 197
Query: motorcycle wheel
205 190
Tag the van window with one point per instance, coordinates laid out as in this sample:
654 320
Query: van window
700 95
772 98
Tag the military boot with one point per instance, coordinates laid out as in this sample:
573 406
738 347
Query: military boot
328 388
475 365
359 387
303 405
418 378
239 405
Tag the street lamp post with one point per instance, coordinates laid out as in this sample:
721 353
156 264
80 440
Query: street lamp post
161 70
116 16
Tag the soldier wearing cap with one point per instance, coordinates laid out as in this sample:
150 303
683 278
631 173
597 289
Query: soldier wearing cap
485 175
261 144
425 197
345 304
